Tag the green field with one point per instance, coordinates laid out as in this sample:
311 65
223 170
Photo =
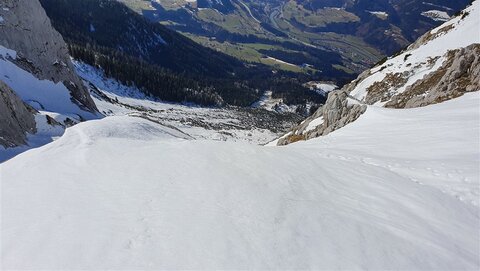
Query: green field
291 10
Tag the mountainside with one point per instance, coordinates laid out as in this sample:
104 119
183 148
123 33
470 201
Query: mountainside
40 92
441 65
163 63
360 32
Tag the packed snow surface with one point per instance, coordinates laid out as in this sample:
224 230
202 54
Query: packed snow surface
397 189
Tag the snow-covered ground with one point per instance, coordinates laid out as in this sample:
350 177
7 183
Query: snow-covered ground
152 185
269 103
114 99
397 189
436 15
322 88
232 124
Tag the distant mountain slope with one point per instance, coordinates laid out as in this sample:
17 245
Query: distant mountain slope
389 25
163 63
107 24
441 65
359 31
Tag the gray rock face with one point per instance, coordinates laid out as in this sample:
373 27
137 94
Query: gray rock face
337 112
16 118
41 50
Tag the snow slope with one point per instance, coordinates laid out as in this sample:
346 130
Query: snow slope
397 189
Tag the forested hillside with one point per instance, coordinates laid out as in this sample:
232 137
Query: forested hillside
163 63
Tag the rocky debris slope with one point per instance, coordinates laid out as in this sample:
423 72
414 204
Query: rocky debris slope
16 118
443 64
41 50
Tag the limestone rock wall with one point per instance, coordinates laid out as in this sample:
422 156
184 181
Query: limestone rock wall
40 49
339 110
16 118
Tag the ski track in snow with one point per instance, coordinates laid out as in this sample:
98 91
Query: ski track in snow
385 192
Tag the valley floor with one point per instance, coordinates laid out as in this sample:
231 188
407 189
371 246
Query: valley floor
397 189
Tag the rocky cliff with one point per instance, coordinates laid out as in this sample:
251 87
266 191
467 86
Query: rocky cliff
41 50
36 72
16 118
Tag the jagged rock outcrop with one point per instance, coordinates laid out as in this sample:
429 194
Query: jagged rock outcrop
339 110
40 49
459 73
16 118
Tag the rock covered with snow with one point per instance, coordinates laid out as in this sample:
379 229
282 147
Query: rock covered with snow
459 73
16 118
441 65
41 49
